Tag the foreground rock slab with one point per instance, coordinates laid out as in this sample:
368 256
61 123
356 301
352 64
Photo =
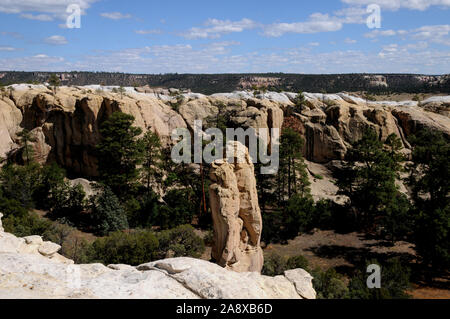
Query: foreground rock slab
27 273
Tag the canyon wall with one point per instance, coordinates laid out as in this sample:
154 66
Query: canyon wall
66 125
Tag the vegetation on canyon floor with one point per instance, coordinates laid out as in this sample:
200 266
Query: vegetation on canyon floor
134 224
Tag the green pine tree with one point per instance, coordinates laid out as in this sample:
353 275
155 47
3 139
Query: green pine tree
119 153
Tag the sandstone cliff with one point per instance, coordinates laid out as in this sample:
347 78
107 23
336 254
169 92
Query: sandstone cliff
65 126
31 268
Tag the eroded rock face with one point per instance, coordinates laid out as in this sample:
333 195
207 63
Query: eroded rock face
66 124
30 268
10 119
236 214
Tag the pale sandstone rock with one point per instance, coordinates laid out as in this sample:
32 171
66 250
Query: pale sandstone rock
10 243
412 119
121 267
33 240
35 276
66 124
61 259
10 119
323 185
48 248
211 281
236 214
302 281
41 149
85 184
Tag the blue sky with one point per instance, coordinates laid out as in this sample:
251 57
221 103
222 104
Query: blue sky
243 36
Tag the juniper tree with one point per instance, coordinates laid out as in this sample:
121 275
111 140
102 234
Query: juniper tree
119 153
430 183
25 139
292 175
370 181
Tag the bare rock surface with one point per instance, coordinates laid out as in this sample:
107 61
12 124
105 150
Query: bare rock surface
66 124
236 214
31 268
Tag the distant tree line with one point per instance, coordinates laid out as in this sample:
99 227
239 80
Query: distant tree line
215 83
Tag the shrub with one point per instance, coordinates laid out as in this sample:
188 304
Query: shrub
273 227
329 284
143 246
182 241
297 262
275 264
107 214
20 182
27 224
51 178
177 210
298 214
123 248
394 282
323 217
143 212
67 202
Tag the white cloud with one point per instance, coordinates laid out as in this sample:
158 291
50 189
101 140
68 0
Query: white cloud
317 22
350 41
218 57
8 49
39 17
352 15
56 40
115 15
433 33
421 45
145 32
384 33
39 62
439 34
399 4
15 35
314 44
215 28
51 8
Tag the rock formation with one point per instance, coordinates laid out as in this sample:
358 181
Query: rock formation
31 268
65 125
235 212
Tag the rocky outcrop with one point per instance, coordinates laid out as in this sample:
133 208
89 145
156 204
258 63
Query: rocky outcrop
236 214
10 119
66 124
69 121
31 245
412 119
31 268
